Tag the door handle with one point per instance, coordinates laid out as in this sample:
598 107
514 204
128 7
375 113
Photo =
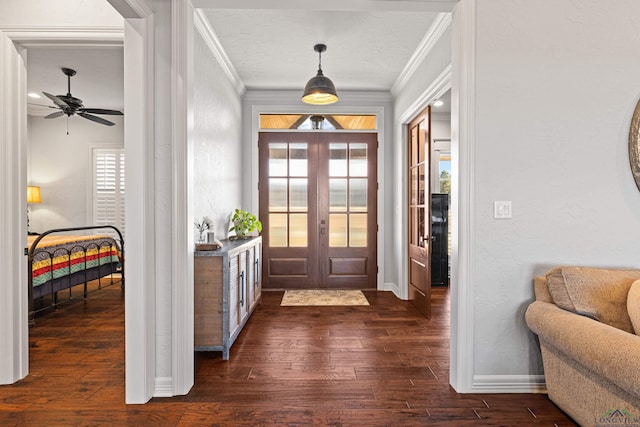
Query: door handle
257 271
242 289
323 230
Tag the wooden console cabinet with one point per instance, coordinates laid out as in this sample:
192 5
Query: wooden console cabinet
227 288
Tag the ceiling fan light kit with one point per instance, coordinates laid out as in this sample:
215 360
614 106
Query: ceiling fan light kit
320 90
70 105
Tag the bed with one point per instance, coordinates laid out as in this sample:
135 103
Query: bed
58 260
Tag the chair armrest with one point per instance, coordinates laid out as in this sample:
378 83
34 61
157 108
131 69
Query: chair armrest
609 352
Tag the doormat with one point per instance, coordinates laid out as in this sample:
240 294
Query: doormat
323 297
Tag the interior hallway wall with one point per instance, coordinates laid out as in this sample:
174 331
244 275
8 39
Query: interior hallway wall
218 160
61 165
556 85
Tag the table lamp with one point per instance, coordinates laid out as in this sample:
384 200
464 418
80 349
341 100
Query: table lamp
33 196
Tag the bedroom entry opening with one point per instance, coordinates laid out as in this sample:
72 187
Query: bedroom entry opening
318 201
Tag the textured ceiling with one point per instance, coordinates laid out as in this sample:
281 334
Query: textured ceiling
270 50
273 49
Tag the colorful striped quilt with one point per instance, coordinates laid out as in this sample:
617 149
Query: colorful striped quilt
60 256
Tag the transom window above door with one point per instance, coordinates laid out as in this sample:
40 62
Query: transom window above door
318 121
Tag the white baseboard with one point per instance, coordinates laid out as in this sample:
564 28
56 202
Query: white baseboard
391 287
163 387
508 384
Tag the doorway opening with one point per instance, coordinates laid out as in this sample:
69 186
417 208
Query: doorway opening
429 177
440 201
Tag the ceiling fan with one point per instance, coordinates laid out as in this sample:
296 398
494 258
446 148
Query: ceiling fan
69 105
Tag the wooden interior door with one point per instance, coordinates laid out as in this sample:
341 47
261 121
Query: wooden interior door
318 206
347 190
419 212
288 210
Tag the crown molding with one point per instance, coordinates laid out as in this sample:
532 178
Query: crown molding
436 89
66 36
437 29
346 97
203 26
340 5
132 8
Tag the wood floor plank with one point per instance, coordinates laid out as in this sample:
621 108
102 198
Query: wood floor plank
377 365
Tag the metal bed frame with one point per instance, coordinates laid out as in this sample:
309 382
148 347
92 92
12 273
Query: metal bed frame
83 276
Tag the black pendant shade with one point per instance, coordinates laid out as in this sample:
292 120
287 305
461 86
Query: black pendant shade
320 90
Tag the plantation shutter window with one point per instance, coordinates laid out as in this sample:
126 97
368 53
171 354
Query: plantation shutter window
108 194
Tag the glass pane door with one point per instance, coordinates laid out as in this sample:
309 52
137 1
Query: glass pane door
318 207
419 212
288 198
347 176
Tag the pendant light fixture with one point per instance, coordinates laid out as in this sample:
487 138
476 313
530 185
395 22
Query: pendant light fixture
320 90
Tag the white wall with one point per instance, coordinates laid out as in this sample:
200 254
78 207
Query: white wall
218 160
556 84
61 165
440 125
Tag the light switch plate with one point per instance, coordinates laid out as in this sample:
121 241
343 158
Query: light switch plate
502 209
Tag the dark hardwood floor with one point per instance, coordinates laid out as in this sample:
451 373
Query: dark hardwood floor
381 365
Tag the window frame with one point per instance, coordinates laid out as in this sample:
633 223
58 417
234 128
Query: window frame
118 148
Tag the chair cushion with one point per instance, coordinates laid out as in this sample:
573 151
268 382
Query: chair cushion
599 293
541 289
633 306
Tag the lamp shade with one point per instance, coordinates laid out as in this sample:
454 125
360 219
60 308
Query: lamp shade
33 194
320 90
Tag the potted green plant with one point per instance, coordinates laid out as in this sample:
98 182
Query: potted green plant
244 223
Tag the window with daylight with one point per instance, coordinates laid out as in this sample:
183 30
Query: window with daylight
330 122
108 187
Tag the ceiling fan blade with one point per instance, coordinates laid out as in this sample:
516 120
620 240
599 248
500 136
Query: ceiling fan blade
42 105
54 115
102 111
59 102
96 119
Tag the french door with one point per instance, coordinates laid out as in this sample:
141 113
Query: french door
318 207
419 212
